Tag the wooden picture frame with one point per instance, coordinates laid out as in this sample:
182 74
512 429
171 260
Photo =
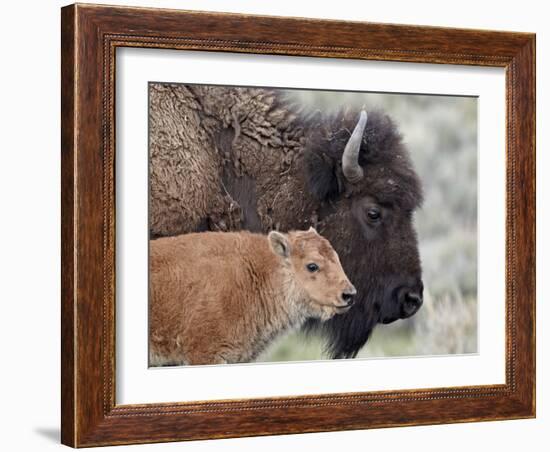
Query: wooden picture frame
90 35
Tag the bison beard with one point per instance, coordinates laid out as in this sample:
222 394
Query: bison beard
277 167
346 335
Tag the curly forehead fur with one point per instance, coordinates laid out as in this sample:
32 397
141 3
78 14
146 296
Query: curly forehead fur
308 241
389 174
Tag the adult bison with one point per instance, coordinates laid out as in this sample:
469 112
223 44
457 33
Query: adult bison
228 158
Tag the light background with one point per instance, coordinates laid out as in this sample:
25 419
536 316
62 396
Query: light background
30 227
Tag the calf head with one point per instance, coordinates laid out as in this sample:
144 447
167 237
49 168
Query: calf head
318 279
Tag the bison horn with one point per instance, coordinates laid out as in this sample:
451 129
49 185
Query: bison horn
350 159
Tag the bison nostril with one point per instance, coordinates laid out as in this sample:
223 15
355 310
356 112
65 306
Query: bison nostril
411 303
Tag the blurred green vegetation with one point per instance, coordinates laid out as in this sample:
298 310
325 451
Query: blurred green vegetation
441 135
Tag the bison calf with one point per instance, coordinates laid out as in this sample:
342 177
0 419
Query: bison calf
220 297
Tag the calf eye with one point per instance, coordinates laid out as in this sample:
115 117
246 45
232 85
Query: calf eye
312 267
373 214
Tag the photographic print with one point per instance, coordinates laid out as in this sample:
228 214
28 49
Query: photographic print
296 225
271 225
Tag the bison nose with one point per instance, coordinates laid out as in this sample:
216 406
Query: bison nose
410 303
348 295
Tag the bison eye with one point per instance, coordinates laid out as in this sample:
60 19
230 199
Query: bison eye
373 214
312 268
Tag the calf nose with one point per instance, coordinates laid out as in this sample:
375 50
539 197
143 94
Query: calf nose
348 295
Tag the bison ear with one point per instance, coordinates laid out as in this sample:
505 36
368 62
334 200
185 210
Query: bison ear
279 244
321 176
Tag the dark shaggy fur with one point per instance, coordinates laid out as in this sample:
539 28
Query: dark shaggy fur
382 156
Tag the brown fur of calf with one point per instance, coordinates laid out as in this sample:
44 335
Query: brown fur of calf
223 297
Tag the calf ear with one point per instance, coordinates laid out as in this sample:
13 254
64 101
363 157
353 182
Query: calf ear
321 176
279 244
